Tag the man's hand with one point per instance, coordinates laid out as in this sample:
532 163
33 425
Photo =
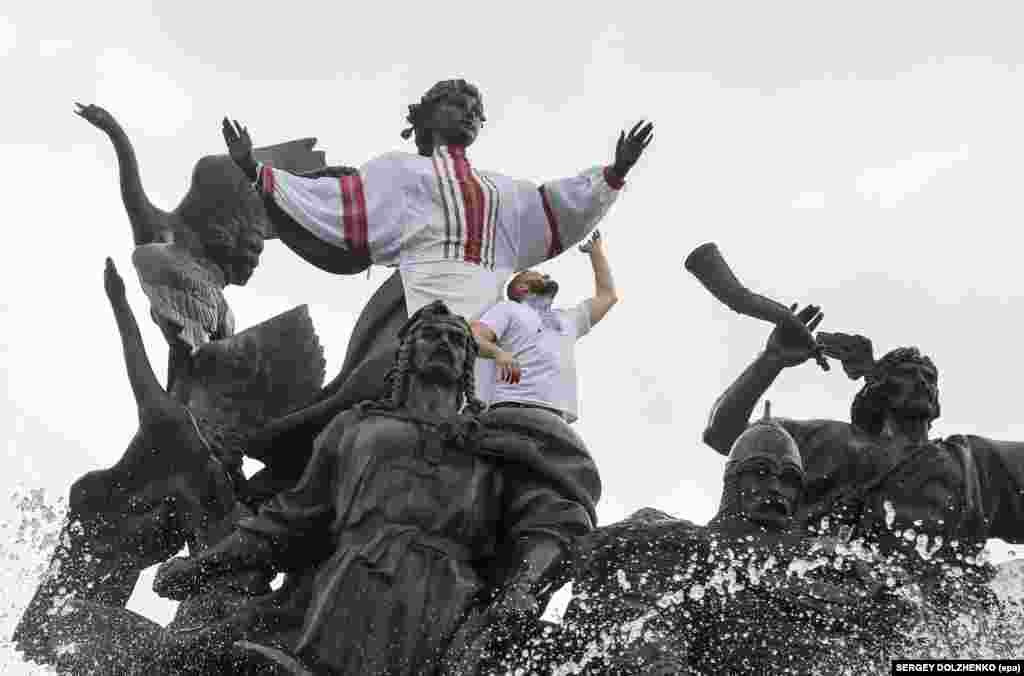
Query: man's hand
239 147
508 368
631 146
792 341
594 243
112 281
178 579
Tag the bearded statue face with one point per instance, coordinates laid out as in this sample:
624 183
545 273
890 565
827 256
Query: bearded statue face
904 385
768 492
764 476
439 351
912 390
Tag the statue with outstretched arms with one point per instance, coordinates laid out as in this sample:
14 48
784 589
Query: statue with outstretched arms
456 233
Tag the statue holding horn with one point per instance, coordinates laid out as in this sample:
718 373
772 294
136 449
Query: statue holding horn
880 476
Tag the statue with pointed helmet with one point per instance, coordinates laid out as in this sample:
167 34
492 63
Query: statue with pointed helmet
763 479
881 475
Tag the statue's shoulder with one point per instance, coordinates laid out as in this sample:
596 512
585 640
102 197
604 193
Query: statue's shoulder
394 159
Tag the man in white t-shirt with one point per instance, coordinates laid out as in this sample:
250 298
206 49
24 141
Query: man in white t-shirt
534 346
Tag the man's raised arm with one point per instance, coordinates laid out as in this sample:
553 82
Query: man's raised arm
731 412
605 295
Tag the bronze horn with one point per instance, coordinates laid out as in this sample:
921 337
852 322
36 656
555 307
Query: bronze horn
709 267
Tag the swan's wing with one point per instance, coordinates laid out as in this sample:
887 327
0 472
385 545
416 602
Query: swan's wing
183 301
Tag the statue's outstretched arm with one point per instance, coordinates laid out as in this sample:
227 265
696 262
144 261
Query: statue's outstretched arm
311 248
731 412
325 255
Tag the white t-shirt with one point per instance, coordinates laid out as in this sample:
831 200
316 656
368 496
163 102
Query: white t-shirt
547 355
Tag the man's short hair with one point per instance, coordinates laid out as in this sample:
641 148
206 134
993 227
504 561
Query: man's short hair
513 282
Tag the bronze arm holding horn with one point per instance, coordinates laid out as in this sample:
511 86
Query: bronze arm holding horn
709 267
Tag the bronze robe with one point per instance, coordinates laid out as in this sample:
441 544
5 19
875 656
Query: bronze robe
411 516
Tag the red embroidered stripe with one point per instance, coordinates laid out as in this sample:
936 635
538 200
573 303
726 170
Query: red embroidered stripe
266 180
556 239
613 181
353 213
473 201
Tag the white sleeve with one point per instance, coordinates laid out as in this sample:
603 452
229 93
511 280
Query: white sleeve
339 210
579 317
559 214
498 318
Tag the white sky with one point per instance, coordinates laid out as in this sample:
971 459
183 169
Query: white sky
863 156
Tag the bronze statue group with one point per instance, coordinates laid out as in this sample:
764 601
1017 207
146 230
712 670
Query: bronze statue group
415 514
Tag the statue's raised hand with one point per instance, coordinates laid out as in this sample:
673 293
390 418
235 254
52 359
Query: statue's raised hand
631 146
239 146
94 115
112 281
792 342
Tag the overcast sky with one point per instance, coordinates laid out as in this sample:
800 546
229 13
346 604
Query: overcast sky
864 157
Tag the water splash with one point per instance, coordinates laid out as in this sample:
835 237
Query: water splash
673 599
28 536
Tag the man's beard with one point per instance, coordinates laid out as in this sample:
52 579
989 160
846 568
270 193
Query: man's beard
546 288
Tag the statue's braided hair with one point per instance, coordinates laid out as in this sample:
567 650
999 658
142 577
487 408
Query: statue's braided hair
420 112
398 375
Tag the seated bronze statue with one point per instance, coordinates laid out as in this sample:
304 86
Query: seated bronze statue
414 513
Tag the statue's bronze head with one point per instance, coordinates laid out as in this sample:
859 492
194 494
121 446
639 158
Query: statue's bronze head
435 344
903 383
763 477
227 232
451 110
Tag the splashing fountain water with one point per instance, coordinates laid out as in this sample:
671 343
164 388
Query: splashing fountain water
27 541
